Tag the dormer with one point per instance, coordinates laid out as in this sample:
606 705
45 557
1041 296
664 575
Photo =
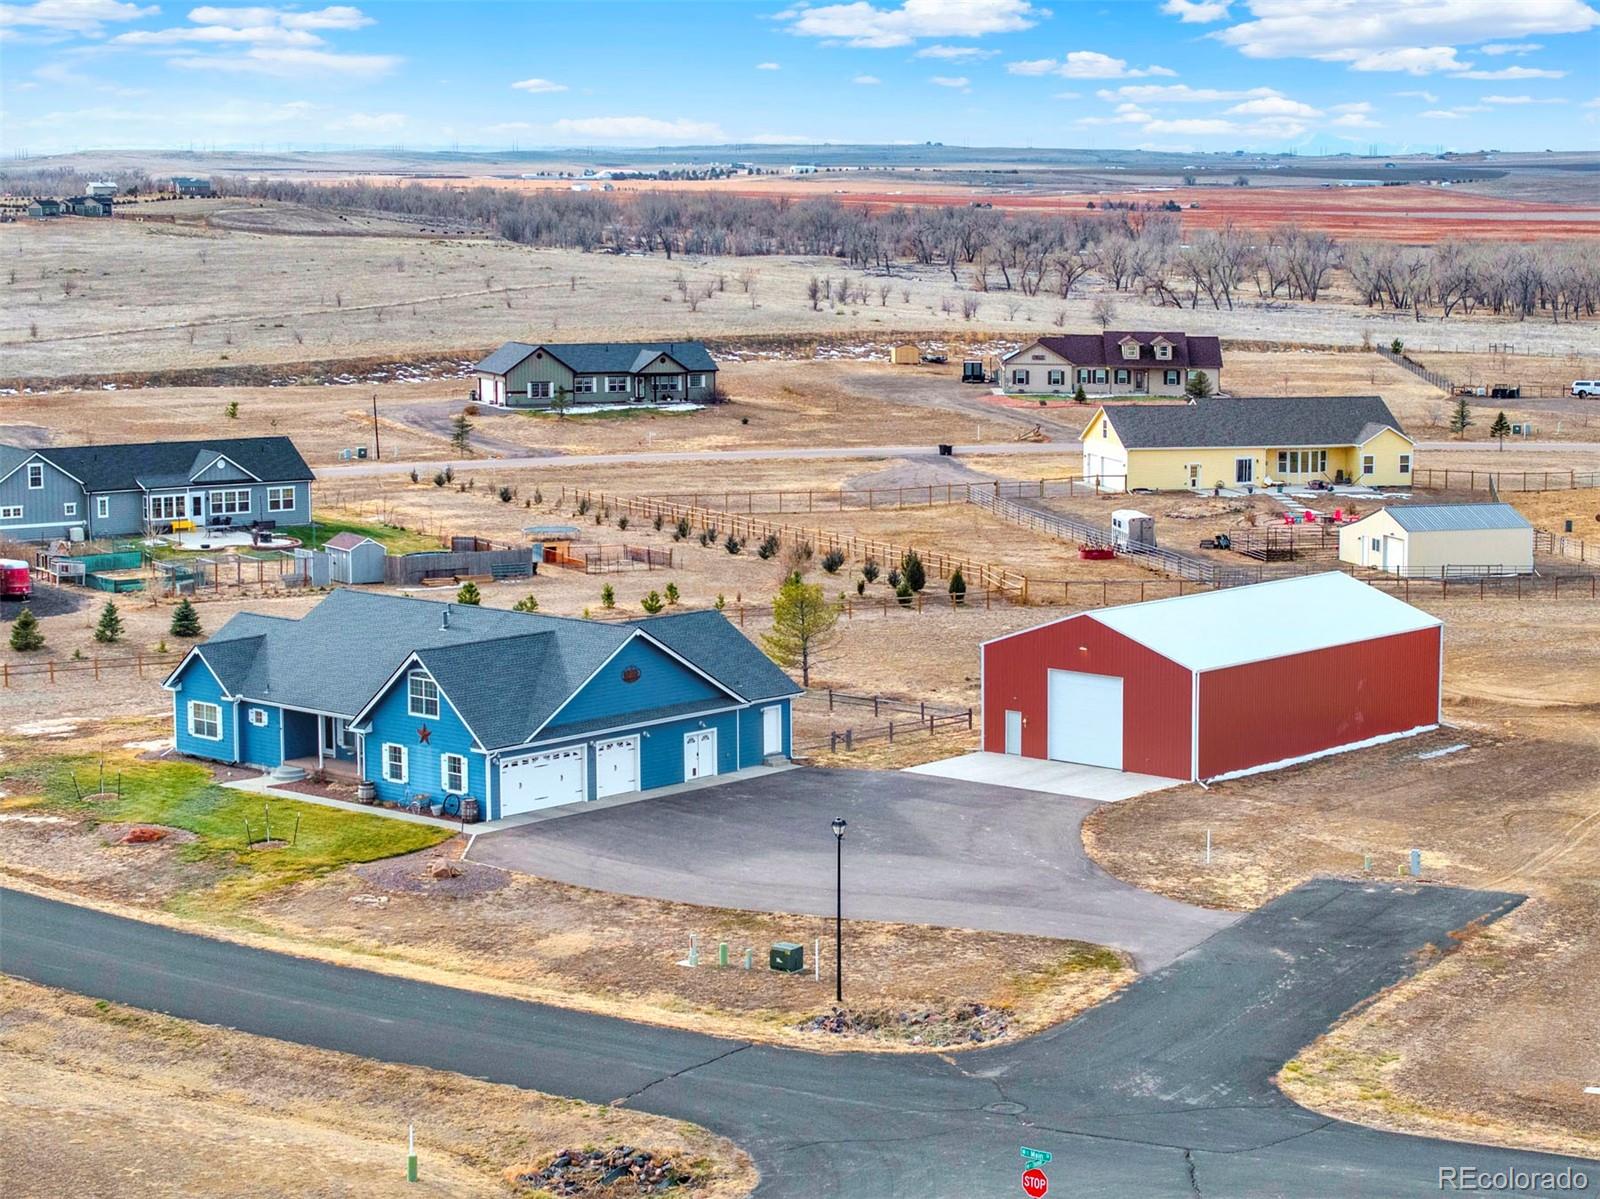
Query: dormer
1130 347
1163 349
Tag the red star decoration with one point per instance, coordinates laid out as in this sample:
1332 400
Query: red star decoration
423 734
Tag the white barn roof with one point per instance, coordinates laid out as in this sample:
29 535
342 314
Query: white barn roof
1213 629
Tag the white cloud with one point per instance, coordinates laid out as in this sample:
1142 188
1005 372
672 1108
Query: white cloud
1192 126
1125 114
784 139
538 86
1274 106
963 52
1351 30
1496 49
864 24
1440 114
1066 95
250 34
1085 64
72 16
641 129
340 16
371 122
509 127
1182 93
1595 103
956 81
768 66
1196 12
1356 106
1355 120
867 80
1512 73
1523 100
1414 60
1425 96
288 63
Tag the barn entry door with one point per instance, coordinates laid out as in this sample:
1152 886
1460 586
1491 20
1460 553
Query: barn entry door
1085 719
1013 732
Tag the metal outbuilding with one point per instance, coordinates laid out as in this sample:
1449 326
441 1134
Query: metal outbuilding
1440 540
1216 683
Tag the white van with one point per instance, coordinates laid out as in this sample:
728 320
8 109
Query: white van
1586 387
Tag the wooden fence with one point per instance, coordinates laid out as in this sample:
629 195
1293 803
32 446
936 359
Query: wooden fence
54 670
1504 480
874 499
847 739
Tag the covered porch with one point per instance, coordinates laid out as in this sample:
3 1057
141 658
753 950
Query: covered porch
321 742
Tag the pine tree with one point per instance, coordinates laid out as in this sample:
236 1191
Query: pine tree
1461 419
958 587
608 596
1501 429
1198 387
652 603
26 635
185 620
109 630
461 432
469 594
527 603
912 572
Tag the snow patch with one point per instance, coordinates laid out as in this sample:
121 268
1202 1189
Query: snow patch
1439 753
62 727
149 746
1284 763
30 818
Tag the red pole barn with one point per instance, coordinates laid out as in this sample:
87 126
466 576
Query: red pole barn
1216 683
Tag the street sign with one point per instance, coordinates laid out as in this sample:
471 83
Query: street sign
1037 1157
1034 1183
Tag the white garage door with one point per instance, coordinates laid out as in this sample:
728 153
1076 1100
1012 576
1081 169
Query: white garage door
616 767
542 781
1085 715
699 754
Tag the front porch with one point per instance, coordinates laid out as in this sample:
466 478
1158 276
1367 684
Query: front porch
337 770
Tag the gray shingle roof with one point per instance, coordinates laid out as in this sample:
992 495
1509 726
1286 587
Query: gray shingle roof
506 673
1253 421
1439 518
599 357
122 467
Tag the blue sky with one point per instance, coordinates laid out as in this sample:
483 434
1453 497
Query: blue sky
1312 75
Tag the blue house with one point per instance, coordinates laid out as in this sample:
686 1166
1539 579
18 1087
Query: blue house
133 489
520 710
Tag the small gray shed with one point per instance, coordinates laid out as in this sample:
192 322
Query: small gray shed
353 558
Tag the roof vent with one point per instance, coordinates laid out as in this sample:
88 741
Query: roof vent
444 618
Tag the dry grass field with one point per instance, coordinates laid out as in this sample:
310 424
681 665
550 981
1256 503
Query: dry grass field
1499 1041
123 295
106 1100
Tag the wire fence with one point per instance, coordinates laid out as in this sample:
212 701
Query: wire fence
875 499
1504 480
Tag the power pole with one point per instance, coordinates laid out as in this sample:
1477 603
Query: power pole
377 446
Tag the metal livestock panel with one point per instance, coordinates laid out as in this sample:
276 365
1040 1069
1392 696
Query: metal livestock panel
1156 691
1303 704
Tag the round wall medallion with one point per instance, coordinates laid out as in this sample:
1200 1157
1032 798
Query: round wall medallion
630 674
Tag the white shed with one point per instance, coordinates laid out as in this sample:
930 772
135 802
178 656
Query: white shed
1440 540
353 558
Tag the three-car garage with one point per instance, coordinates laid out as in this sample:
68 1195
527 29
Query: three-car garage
1216 683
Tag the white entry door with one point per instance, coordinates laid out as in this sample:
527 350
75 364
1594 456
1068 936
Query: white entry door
1394 553
772 730
1085 715
1013 732
616 767
699 754
542 781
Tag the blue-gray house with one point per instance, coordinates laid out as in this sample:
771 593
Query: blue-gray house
130 490
519 710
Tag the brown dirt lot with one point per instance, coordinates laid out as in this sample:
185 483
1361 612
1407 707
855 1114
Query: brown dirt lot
1500 1041
226 1114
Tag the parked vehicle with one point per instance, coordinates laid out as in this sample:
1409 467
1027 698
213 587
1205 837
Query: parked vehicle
1586 387
16 580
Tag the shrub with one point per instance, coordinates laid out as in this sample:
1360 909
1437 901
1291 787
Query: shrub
705 537
893 580
538 496
469 595
658 522
583 506
439 480
733 545
608 596
449 474
911 570
506 494
869 570
683 527
109 630
1397 346
232 410
527 603
672 593
861 586
904 594
958 587
622 522
722 602
26 636
185 620
651 603
1080 396
768 546
414 476
832 561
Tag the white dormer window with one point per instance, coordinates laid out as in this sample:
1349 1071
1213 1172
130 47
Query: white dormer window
35 476
1164 350
1130 348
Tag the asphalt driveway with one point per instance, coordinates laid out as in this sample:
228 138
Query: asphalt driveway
920 850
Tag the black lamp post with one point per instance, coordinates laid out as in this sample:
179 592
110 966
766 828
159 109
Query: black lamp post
838 910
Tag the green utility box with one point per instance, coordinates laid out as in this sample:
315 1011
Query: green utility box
788 957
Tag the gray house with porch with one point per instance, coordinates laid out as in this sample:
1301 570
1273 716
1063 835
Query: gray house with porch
86 492
521 375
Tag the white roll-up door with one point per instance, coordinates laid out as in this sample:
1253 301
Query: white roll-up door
1085 719
542 781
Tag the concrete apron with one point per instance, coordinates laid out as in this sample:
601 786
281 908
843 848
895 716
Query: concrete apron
1053 778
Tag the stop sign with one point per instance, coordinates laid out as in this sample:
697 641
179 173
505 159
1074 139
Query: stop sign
1035 1183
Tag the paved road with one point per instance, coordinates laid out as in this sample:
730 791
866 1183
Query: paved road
1165 1093
920 850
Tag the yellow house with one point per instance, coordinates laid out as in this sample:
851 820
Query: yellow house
1247 441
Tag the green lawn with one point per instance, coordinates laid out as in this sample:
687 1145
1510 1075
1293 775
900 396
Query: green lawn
181 795
609 414
397 541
